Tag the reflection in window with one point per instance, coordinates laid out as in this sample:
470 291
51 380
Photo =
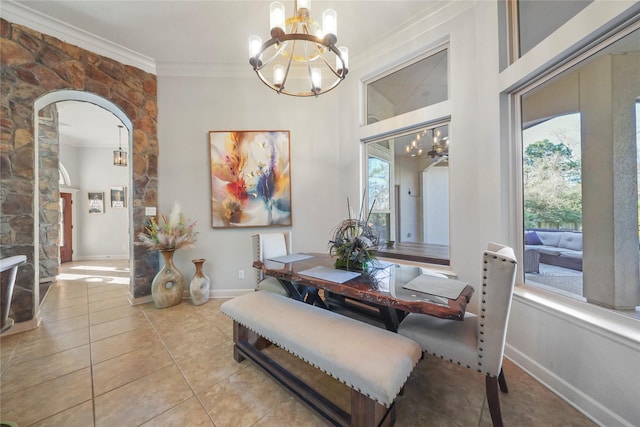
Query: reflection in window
379 193
418 85
408 177
579 136
532 21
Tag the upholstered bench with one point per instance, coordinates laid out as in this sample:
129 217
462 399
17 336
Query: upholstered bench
373 362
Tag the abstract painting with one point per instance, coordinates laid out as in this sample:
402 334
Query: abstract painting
250 178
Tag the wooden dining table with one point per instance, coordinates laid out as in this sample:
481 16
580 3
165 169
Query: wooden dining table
381 288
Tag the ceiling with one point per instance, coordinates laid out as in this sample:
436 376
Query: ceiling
217 31
204 32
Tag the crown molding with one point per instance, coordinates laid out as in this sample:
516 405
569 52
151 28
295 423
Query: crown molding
22 15
202 69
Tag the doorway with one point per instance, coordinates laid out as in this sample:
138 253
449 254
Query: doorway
66 228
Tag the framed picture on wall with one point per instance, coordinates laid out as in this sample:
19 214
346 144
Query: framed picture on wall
250 178
96 202
118 197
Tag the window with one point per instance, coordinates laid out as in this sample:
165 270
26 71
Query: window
415 86
580 146
407 159
408 193
532 21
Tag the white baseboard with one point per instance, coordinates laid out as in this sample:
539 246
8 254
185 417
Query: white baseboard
140 300
229 293
99 257
591 408
22 326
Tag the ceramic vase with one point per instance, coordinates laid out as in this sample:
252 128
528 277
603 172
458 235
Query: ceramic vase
199 286
168 285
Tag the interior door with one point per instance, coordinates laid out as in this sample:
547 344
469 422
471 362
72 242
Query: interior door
66 225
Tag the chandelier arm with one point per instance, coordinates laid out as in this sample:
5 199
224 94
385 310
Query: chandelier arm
286 73
331 67
257 62
314 89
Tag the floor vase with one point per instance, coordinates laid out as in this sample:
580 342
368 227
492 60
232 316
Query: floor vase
168 285
199 286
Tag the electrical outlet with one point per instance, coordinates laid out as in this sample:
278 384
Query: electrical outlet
240 274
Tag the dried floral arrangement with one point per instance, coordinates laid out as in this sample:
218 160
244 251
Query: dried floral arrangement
355 241
174 232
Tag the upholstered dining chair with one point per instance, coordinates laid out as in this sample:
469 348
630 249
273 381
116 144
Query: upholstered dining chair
269 245
478 341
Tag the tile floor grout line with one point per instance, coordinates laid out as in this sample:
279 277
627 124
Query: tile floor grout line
175 363
93 392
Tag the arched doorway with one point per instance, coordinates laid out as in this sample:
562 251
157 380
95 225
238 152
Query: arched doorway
40 197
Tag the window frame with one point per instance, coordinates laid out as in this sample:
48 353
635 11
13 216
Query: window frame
514 97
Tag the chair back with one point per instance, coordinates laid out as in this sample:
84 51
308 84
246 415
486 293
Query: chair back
498 280
268 245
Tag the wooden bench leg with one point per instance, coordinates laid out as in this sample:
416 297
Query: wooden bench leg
366 412
240 333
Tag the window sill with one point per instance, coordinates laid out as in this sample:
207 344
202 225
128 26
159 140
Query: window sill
621 327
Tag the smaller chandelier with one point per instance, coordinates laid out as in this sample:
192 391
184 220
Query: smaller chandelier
119 156
301 54
414 149
439 146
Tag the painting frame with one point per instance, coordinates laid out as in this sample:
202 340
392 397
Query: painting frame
250 178
96 202
118 196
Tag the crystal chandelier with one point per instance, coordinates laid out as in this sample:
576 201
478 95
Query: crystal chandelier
301 54
119 156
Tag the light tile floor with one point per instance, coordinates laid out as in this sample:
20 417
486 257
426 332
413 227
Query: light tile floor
98 361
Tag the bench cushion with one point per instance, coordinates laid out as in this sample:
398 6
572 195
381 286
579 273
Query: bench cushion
374 361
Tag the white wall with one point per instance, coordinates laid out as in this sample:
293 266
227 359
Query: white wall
436 205
96 236
327 167
189 108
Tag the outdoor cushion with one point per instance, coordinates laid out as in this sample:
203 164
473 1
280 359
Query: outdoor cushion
532 238
571 241
549 238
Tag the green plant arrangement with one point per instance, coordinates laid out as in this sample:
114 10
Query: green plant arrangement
174 232
355 242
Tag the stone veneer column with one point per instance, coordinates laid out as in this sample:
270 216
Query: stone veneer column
49 193
32 65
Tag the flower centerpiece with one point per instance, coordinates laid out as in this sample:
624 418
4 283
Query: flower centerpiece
355 242
170 233
166 236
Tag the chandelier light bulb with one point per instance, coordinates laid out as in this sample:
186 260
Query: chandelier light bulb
330 24
255 43
316 79
304 7
278 75
276 17
344 53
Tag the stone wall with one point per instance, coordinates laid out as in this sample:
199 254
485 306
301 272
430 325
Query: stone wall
32 65
49 193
